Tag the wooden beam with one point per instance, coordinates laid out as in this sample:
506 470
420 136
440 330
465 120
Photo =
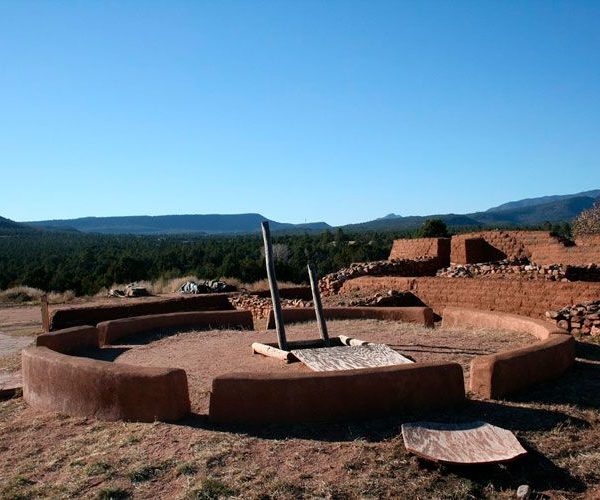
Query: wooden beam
272 352
314 286
45 314
281 339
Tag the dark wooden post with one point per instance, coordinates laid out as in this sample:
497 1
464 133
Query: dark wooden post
282 341
314 286
45 316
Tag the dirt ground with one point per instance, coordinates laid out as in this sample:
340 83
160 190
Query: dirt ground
207 354
54 456
20 320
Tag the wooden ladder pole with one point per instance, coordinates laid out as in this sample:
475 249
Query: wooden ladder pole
314 286
281 340
45 315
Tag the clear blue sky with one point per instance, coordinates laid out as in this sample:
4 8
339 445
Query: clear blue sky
340 111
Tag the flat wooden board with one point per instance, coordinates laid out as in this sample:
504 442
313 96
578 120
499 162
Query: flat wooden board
466 443
352 357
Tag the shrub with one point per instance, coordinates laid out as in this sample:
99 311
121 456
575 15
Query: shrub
588 221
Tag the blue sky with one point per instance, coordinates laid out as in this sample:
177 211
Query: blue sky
340 111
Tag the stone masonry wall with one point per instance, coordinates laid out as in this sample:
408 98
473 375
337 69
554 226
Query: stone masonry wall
528 298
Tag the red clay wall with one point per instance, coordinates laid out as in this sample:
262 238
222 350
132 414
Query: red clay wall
471 250
421 315
422 247
66 317
111 331
69 340
109 391
499 375
243 398
537 246
527 298
475 318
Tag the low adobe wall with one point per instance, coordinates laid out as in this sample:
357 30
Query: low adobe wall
498 375
111 331
85 387
69 340
244 398
526 298
66 317
422 247
421 315
476 318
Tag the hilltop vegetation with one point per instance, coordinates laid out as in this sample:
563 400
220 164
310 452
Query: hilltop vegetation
85 263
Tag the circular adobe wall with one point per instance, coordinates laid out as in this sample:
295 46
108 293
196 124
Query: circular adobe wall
56 381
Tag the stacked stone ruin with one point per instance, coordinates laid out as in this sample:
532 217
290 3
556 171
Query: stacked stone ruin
545 273
579 319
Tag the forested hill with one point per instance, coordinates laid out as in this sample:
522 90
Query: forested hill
9 227
174 224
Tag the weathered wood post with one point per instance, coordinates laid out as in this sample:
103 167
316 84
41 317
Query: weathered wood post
45 315
281 340
314 286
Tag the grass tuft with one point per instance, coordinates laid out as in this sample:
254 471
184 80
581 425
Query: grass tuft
113 493
212 489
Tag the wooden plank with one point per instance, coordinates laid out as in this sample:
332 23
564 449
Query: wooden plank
464 443
266 232
314 286
349 357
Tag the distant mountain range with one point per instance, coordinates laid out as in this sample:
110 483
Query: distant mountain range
515 213
554 209
175 224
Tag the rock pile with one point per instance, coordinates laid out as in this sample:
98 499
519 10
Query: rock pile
582 319
393 298
591 272
208 286
506 270
424 266
131 290
260 306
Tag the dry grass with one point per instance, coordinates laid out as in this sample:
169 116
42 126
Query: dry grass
164 286
27 294
262 285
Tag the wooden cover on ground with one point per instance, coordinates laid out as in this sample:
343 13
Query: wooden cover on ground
323 359
464 443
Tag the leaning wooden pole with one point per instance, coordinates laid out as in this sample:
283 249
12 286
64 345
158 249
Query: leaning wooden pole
281 340
314 286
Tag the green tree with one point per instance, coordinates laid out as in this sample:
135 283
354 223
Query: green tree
434 228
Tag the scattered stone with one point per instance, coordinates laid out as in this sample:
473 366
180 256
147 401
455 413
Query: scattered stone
524 492
580 319
421 266
261 306
393 298
207 286
506 269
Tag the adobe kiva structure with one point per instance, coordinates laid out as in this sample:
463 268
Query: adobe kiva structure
58 377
